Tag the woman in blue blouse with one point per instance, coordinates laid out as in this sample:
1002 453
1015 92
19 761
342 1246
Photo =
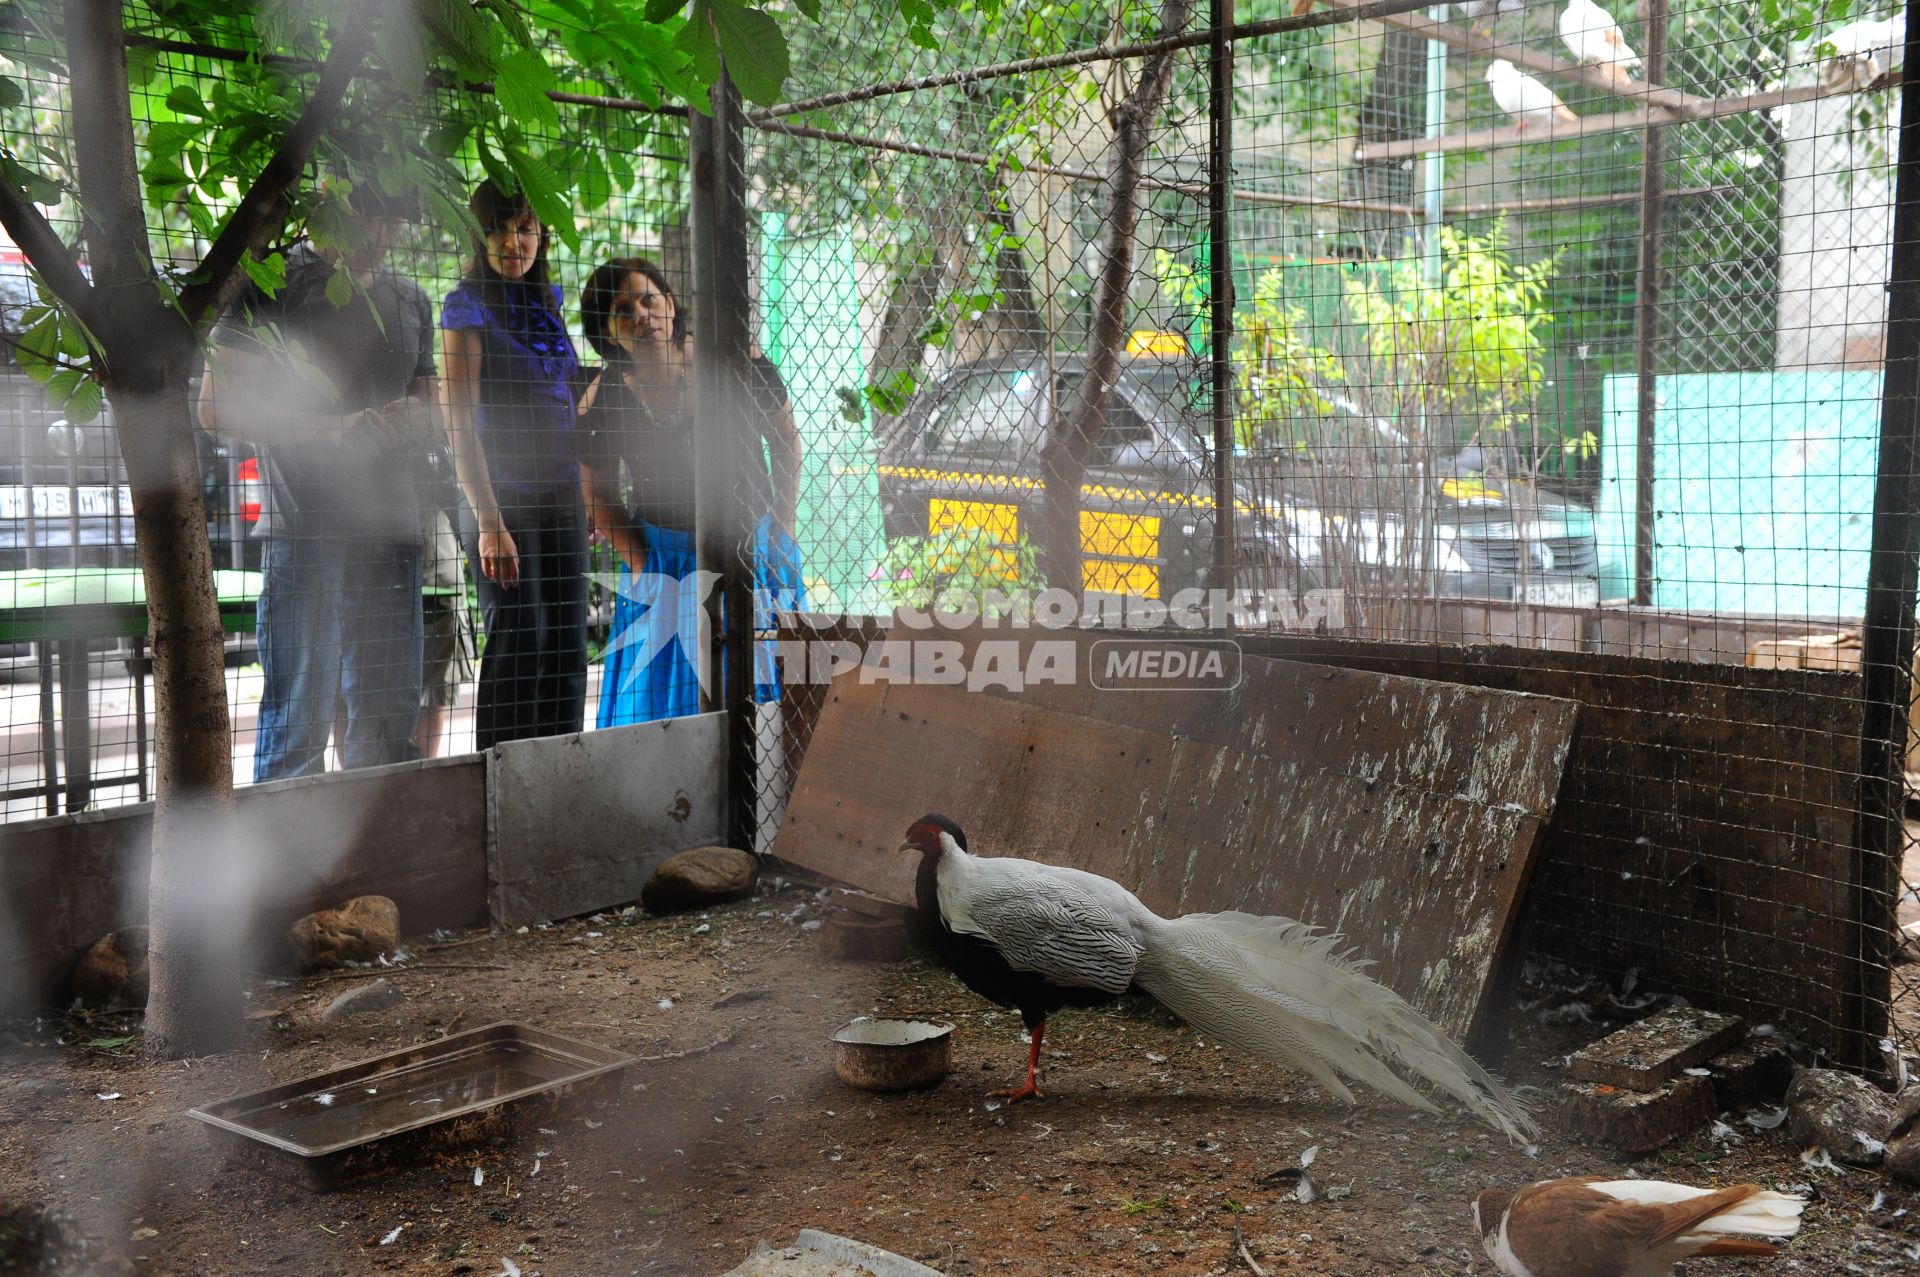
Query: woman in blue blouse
507 369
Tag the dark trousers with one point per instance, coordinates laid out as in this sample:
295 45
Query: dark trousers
533 670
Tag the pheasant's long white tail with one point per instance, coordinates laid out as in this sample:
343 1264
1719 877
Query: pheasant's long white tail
1274 987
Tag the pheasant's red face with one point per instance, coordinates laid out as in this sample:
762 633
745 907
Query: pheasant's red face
922 838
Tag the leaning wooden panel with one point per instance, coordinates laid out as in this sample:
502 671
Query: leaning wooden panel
1705 839
1402 813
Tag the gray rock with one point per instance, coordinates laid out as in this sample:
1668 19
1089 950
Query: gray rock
363 999
1906 1113
1903 1140
698 878
1844 1114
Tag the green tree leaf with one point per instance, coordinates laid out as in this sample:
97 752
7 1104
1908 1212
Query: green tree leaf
659 11
11 94
35 347
174 136
696 40
755 51
84 404
546 192
513 19
269 273
521 81
185 100
339 287
459 30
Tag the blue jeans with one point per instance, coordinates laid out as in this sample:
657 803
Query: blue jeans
338 621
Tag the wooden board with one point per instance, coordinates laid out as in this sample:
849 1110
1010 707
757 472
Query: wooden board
1401 813
1705 838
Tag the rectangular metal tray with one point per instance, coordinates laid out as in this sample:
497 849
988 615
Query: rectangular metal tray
347 1123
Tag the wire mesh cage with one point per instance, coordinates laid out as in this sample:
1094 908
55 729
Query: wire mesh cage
1476 341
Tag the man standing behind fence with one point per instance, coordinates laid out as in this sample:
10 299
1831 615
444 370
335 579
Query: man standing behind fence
341 397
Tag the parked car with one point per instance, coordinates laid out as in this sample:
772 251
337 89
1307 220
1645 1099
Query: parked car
64 499
968 451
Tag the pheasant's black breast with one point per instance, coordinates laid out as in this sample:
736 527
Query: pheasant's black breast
981 967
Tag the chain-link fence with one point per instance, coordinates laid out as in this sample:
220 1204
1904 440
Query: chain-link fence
1451 342
1477 273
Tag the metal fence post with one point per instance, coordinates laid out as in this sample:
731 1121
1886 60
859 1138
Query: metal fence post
722 302
1893 563
1220 285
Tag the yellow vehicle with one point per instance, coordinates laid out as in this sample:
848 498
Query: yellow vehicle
969 455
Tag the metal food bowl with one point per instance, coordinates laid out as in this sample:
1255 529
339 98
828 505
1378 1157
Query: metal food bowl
890 1054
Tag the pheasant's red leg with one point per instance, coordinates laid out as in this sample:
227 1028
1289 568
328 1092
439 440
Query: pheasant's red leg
1033 1068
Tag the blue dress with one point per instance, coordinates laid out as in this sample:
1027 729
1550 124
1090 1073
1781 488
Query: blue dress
650 669
647 672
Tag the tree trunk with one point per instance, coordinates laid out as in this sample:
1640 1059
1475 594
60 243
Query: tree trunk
145 347
197 908
1019 310
918 276
1077 430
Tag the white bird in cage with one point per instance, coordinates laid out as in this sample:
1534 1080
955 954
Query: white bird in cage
1593 37
1527 100
1859 54
1472 10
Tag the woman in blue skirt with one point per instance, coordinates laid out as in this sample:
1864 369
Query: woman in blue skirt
638 416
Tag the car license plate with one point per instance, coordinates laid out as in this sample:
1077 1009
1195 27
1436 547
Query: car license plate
1578 591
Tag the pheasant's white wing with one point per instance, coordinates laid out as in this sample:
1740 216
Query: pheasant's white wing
1576 32
1073 928
1647 1192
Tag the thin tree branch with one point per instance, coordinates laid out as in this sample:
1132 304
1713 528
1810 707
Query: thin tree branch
1588 125
1363 10
1196 190
14 343
47 252
1076 430
262 211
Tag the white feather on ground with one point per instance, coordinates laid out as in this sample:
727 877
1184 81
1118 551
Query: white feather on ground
1524 98
1269 986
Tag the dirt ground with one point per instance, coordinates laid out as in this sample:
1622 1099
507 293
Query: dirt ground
1150 1149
